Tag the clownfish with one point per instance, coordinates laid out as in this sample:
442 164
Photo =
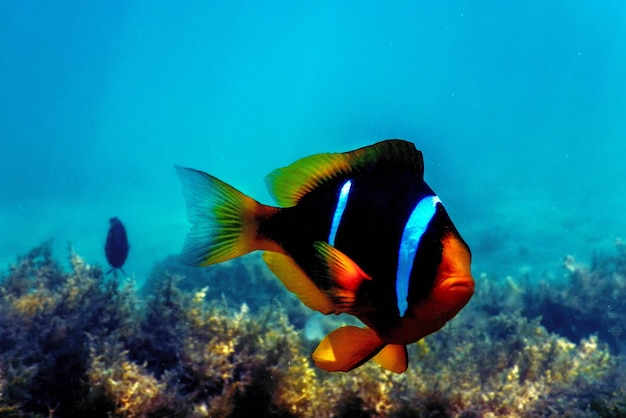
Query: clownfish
358 232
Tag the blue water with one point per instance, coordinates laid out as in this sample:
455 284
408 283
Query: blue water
519 108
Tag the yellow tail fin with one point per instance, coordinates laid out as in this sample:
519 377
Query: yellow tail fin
224 220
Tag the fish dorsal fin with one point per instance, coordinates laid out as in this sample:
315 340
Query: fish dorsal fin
287 185
393 357
297 282
346 348
339 275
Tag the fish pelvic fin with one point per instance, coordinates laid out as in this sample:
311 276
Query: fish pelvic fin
224 221
347 348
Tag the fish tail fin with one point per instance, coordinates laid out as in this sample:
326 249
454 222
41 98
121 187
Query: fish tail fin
114 270
224 220
348 347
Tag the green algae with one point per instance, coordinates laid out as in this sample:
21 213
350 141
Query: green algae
75 343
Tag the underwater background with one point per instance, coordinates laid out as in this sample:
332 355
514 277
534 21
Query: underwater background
518 107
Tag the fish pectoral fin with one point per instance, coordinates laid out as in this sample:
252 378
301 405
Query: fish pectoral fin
339 275
347 348
297 282
340 268
393 357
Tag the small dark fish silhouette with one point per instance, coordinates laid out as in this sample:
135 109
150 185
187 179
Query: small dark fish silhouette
116 247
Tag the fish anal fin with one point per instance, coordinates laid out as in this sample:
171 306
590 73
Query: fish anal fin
297 282
346 348
393 357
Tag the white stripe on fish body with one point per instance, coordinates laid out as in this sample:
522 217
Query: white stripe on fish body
339 209
411 237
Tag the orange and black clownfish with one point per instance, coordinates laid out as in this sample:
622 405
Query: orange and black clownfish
358 232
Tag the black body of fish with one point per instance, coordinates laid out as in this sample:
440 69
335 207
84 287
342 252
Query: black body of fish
116 247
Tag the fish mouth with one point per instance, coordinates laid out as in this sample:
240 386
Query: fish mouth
465 284
461 280
461 284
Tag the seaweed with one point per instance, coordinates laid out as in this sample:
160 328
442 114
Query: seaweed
590 299
231 280
47 315
76 343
